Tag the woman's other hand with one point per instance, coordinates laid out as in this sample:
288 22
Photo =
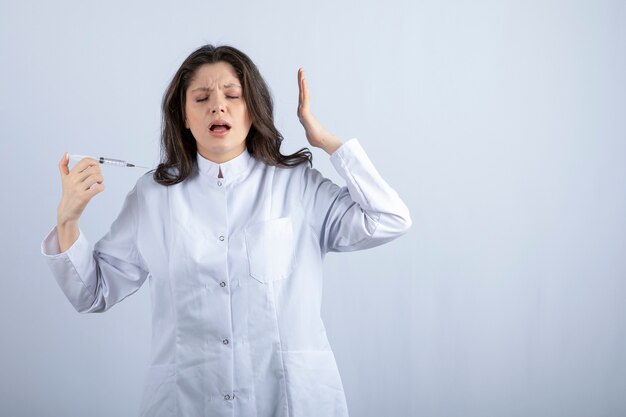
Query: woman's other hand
79 186
316 134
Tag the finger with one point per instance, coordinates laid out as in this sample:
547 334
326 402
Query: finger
84 164
300 78
95 189
63 164
304 89
91 181
305 92
80 176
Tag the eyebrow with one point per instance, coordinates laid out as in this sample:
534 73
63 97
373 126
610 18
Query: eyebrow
229 85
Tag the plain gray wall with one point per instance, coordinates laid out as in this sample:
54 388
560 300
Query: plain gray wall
502 124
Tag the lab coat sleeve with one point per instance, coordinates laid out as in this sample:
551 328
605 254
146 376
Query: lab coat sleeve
95 280
365 213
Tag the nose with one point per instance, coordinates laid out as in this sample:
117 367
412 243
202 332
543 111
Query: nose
218 106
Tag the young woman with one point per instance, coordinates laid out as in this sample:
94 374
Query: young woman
232 235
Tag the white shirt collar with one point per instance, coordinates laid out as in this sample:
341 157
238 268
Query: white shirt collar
230 169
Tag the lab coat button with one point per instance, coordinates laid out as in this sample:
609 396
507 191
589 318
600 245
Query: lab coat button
225 341
222 284
228 397
221 238
219 183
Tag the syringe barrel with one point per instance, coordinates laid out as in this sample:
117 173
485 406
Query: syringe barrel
110 161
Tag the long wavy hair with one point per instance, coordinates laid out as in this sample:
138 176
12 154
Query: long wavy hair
178 146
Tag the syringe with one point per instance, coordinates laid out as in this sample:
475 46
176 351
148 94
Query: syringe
107 161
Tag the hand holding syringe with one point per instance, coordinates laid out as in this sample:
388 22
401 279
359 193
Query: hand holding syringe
80 185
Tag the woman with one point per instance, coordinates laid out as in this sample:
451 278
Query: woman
232 235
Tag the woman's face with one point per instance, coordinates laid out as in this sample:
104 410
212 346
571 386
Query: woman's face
216 112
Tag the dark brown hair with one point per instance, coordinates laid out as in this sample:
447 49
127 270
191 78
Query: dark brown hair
178 146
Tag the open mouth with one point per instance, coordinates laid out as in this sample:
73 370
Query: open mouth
219 126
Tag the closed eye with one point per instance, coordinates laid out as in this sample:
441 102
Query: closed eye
201 99
232 96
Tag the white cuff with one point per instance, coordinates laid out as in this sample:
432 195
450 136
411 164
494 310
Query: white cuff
50 245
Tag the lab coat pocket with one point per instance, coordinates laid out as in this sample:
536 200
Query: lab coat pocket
158 393
270 247
314 386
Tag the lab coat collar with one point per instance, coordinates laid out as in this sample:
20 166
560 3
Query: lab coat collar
230 169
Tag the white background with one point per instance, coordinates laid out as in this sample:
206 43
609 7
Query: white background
502 125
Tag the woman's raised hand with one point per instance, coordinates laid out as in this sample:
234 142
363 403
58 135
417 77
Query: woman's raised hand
79 186
316 134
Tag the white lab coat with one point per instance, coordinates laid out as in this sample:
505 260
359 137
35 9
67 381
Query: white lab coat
235 271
